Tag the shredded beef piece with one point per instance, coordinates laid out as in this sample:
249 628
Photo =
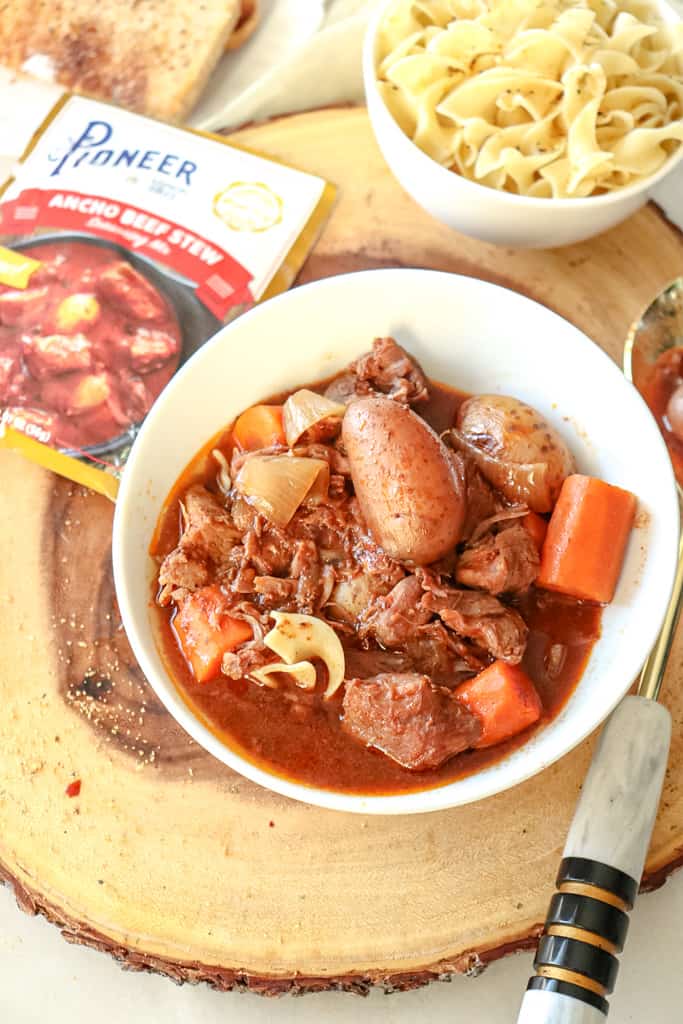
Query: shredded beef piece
362 664
206 542
238 664
394 619
274 592
321 432
243 581
416 724
480 617
238 457
447 659
368 556
503 562
305 569
342 389
482 500
180 573
389 369
326 526
337 488
335 458
266 551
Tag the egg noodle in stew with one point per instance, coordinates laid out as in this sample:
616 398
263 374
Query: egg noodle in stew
378 584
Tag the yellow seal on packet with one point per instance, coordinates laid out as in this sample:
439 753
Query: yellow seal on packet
248 206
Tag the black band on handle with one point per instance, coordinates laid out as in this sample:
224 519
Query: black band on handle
589 915
565 988
579 957
593 872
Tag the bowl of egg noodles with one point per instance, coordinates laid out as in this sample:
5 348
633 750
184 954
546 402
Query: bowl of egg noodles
533 123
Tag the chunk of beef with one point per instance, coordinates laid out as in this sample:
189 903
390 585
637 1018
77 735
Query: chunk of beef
446 658
314 582
395 619
122 287
482 500
390 370
370 558
182 571
23 308
353 594
238 664
503 562
479 617
207 540
273 591
416 724
362 664
150 349
50 354
334 457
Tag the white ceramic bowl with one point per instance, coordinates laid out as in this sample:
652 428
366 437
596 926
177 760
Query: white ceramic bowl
486 213
465 332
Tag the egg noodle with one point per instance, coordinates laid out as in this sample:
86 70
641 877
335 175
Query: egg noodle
544 98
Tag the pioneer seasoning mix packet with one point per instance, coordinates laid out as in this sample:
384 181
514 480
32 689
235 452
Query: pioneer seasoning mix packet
124 244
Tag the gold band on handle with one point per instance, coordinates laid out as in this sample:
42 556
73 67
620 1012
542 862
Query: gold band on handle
562 974
568 931
604 895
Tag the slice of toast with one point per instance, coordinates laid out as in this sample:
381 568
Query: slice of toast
249 19
151 56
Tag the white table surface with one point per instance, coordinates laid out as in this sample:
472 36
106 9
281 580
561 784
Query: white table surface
44 980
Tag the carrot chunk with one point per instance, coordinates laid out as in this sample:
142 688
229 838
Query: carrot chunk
504 699
536 526
587 536
206 632
259 427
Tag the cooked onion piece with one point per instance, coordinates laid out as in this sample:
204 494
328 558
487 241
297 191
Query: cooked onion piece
296 638
302 672
223 476
304 409
277 484
515 448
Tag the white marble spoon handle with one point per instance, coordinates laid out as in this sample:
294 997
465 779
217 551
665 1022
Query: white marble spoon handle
576 962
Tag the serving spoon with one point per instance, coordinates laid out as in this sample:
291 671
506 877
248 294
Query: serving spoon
604 855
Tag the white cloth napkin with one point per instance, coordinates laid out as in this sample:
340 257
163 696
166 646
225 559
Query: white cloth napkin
306 53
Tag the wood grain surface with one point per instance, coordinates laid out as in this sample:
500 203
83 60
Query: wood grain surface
170 861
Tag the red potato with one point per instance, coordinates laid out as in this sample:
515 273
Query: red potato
515 448
407 488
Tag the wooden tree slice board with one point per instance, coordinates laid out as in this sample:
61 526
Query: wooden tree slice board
169 860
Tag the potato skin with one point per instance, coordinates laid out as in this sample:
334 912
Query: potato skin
407 487
522 454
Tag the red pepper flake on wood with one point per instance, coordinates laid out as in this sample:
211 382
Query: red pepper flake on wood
271 824
74 788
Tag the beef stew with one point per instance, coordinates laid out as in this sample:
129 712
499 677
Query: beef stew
86 348
347 599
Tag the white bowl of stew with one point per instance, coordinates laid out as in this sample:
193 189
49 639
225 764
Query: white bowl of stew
470 338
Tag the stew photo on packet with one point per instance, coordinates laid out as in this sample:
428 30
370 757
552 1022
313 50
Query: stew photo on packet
124 245
378 584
